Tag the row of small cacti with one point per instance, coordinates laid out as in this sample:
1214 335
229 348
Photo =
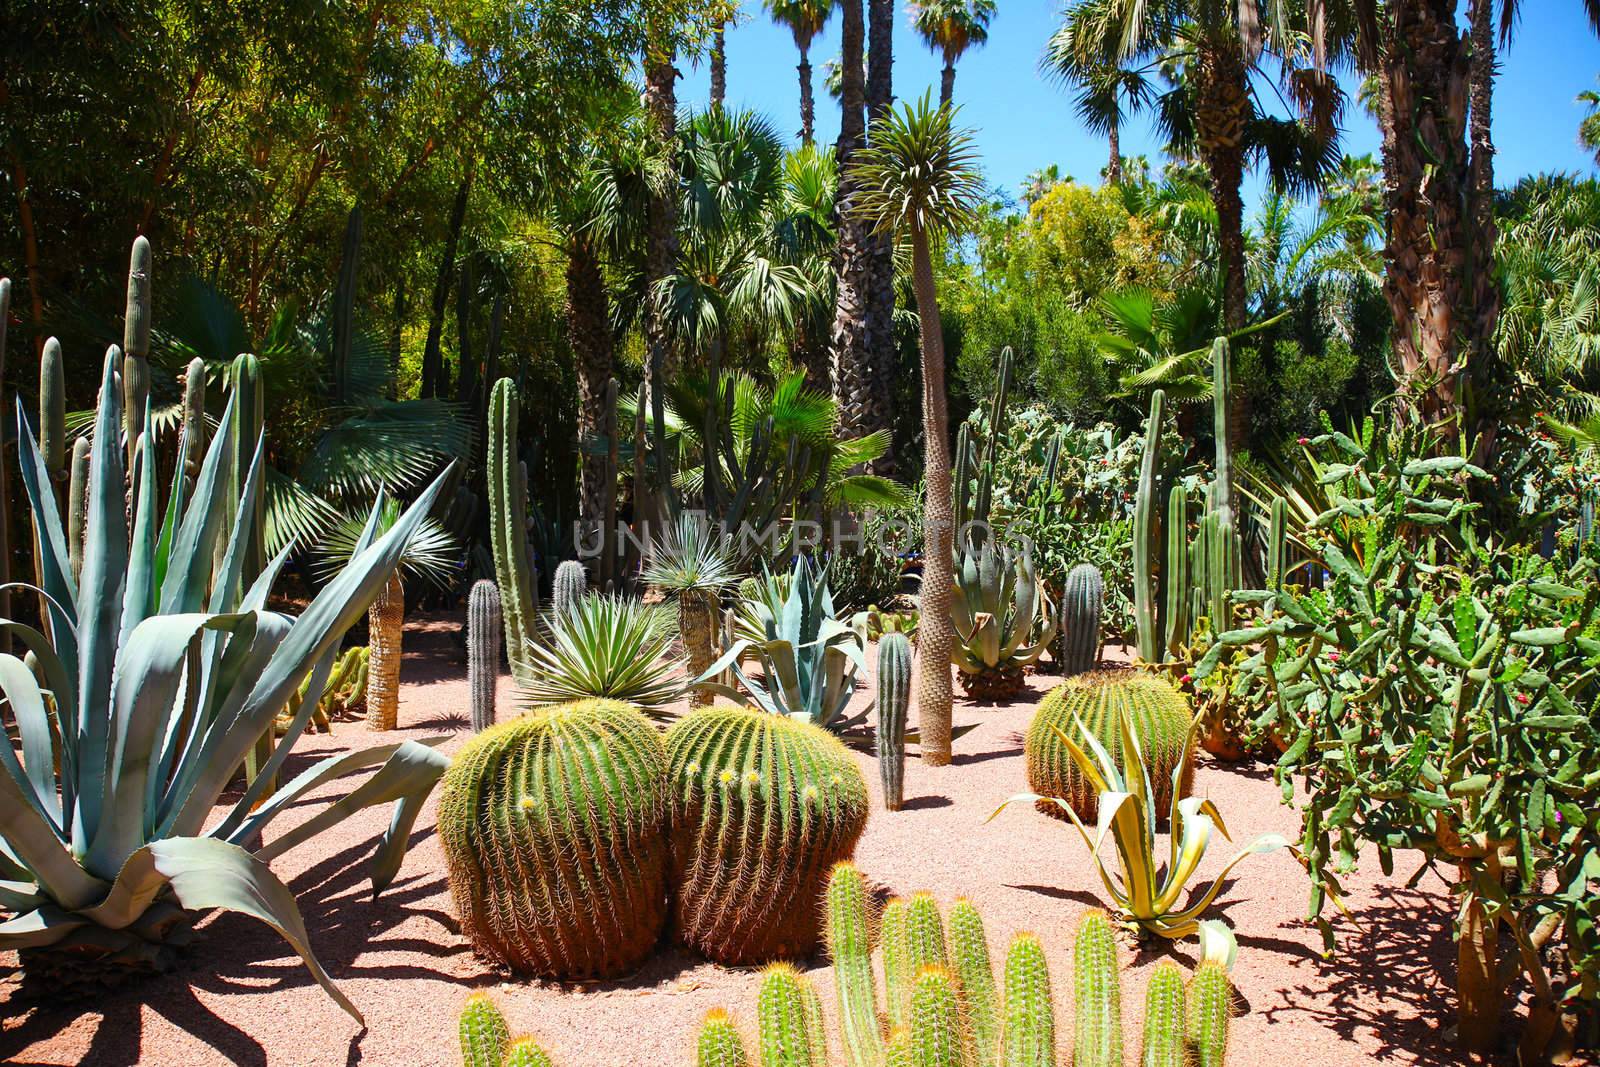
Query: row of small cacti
568 831
941 1005
344 692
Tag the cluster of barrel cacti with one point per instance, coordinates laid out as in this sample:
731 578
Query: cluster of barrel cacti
941 1005
1190 579
893 698
1158 713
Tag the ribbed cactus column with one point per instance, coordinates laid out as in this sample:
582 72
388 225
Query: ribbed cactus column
894 697
1160 717
850 949
783 1020
1082 600
897 972
484 1035
53 413
483 651
939 1037
1030 1021
571 582
925 944
193 437
1177 583
77 504
1278 544
1097 1037
554 833
525 1052
508 526
1165 1041
763 806
719 1044
969 950
1210 1005
136 345
1144 534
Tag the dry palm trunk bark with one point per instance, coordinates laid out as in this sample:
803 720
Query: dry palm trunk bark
1222 103
1114 164
852 371
882 367
936 633
661 247
719 66
1426 192
808 104
589 332
386 624
1485 292
697 624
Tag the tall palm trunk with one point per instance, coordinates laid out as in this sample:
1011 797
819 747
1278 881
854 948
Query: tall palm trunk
433 371
881 363
1485 292
1220 109
386 621
661 251
947 81
719 66
852 380
589 332
808 104
1426 182
1114 164
937 633
697 623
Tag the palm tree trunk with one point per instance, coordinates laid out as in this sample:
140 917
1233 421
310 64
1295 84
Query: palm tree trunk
936 633
882 367
385 628
589 333
947 82
433 374
1220 111
1426 180
1485 292
852 380
1114 165
808 105
661 251
719 66
697 624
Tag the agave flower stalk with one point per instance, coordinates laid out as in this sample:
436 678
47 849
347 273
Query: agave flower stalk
160 671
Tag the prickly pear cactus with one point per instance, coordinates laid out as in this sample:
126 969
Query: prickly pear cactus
1082 600
571 582
1160 717
763 806
554 832
894 696
483 651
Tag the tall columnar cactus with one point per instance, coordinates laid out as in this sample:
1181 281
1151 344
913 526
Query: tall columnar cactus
1177 601
571 582
763 806
925 944
508 527
1160 717
1165 1020
249 403
193 436
1227 548
1097 1035
897 1049
554 832
897 972
894 697
1221 397
136 345
53 414
1278 544
77 504
939 1037
484 1034
1210 1005
969 952
483 651
1145 578
850 949
1029 1038
781 1017
719 1044
1082 600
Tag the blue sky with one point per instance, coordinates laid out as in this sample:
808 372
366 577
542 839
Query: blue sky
1025 122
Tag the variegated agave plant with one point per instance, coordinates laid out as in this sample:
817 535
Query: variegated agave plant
1003 619
158 674
809 659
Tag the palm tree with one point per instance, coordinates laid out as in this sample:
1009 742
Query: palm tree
950 27
1589 128
431 553
1102 84
804 19
694 565
920 180
849 344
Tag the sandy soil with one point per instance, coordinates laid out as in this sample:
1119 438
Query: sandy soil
243 998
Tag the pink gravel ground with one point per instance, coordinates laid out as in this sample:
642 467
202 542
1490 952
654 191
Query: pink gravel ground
243 998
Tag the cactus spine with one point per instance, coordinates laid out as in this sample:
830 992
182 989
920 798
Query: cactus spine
1210 1004
897 972
894 696
1029 1039
763 806
554 833
508 527
1164 1018
525 1052
719 1044
1144 535
969 949
136 346
77 504
483 651
484 1035
1178 623
1097 1037
938 1036
1082 600
781 1013
1160 717
571 582
1278 544
53 413
850 949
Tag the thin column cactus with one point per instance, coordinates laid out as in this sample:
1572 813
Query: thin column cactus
193 434
483 651
1165 1019
893 683
1210 1006
1178 622
969 953
1082 601
1145 577
1097 1035
136 346
850 948
570 584
508 528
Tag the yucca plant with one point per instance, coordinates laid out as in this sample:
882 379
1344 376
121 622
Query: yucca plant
694 566
159 673
1004 620
1147 895
431 554
607 646
809 659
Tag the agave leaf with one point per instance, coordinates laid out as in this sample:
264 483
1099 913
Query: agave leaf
18 897
1260 846
37 770
36 844
189 566
1191 835
42 926
138 599
203 873
1217 943
60 588
1103 775
315 684
225 583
